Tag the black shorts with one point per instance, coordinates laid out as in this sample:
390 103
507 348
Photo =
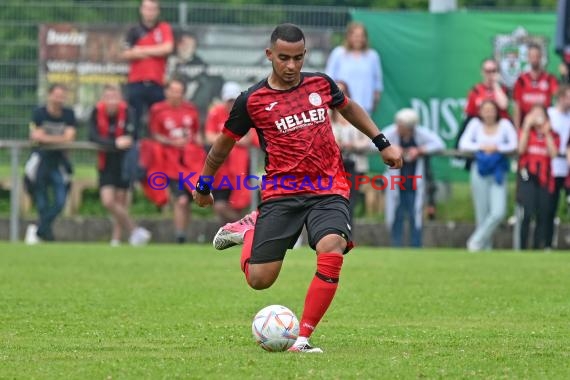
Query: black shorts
112 173
177 189
281 221
222 195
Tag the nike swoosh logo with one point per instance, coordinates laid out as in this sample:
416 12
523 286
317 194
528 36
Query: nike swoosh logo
270 107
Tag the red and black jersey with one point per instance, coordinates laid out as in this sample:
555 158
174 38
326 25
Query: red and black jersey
295 133
477 95
536 159
175 121
151 68
529 91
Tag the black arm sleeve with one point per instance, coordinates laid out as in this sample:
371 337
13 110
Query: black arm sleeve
239 121
337 96
94 133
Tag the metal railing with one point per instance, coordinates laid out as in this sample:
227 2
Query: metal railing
16 147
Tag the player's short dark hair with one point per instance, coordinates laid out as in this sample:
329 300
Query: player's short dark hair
54 86
287 33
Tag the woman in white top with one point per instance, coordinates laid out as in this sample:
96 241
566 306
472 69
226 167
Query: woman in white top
357 64
491 139
354 146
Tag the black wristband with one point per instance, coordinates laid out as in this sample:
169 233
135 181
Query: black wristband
203 187
381 142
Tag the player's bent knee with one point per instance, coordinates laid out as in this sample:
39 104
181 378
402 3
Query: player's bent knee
331 243
262 276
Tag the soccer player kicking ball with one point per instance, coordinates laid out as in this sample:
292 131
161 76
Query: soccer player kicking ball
304 184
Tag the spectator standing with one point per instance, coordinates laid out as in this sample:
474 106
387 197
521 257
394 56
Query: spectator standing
408 200
490 88
201 86
538 144
491 138
175 126
535 87
354 146
49 171
359 66
111 127
149 44
560 120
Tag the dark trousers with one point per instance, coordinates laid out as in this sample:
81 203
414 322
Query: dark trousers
142 95
50 193
406 208
535 201
555 197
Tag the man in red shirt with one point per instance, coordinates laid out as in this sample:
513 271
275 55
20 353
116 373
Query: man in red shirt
231 198
149 44
304 185
533 87
175 125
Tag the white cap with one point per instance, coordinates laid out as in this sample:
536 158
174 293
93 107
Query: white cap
230 91
407 117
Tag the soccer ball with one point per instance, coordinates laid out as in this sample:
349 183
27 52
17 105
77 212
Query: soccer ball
275 328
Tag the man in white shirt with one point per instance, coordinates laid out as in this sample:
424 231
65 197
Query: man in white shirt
560 120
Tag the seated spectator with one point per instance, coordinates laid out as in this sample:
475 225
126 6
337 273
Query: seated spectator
49 171
354 146
560 121
111 127
230 200
177 149
408 199
491 138
538 144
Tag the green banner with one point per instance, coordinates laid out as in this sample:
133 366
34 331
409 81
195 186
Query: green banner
430 61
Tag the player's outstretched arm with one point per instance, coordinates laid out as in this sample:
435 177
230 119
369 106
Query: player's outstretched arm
216 157
358 117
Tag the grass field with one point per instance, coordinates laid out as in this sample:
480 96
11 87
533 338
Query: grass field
163 312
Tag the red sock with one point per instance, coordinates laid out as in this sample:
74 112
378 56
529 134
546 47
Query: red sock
321 291
246 252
